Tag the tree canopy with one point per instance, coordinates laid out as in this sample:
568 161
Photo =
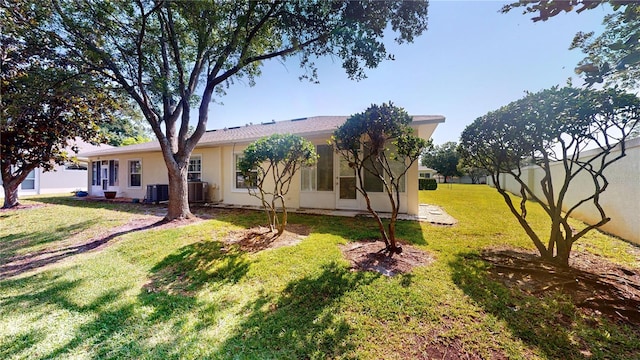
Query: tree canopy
47 102
442 158
269 165
171 56
554 126
379 145
612 57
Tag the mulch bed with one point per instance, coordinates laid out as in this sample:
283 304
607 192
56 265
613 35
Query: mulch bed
595 285
369 256
261 238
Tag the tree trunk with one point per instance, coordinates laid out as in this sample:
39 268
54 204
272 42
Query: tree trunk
283 223
178 194
10 195
394 248
564 251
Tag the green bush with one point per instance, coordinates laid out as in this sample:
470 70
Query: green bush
427 184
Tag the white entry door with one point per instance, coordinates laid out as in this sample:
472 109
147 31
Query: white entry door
347 196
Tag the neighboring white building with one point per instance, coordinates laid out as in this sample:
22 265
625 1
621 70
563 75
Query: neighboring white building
426 172
132 171
63 179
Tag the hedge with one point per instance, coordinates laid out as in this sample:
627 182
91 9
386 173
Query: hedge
427 184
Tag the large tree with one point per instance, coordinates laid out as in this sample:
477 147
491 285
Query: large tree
269 165
552 129
443 158
171 56
47 102
612 57
379 145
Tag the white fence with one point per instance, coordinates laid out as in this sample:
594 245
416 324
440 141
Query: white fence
621 200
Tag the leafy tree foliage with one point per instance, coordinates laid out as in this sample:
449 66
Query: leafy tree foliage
269 165
473 171
613 56
554 126
127 126
545 9
442 158
380 142
47 102
170 56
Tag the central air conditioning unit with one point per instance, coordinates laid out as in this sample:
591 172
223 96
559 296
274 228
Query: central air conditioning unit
198 191
157 193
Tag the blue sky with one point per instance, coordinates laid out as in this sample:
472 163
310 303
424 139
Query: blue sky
471 60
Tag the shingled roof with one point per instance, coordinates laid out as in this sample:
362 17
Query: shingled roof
310 126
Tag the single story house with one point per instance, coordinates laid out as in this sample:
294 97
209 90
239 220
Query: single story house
138 171
72 176
425 172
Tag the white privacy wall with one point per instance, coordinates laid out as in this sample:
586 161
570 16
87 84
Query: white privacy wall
621 200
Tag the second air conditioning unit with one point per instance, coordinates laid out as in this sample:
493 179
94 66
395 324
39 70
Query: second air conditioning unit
198 191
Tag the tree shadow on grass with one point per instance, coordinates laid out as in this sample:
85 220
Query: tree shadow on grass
550 323
20 342
175 280
13 265
128 207
44 292
301 322
11 244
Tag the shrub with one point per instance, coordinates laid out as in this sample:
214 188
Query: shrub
427 184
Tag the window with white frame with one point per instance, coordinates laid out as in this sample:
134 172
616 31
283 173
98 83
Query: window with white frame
135 173
194 172
372 183
29 183
113 172
95 173
319 177
398 167
240 181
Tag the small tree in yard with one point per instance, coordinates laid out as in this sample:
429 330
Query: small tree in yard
554 126
442 158
380 146
271 162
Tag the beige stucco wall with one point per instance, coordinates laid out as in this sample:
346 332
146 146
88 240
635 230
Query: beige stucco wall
621 200
218 169
235 196
211 170
154 171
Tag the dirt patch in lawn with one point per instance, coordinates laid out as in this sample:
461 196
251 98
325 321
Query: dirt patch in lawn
261 238
74 245
595 285
370 256
439 345
22 207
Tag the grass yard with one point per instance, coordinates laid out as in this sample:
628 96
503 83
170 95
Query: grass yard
163 293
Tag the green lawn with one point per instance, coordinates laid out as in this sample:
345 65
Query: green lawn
176 293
